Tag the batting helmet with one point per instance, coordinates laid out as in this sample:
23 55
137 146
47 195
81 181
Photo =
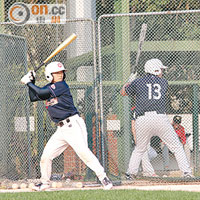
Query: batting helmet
154 66
53 67
177 119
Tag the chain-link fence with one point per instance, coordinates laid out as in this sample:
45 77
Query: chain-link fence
15 135
95 8
174 39
25 126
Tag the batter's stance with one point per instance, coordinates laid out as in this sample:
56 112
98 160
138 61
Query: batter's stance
71 127
151 120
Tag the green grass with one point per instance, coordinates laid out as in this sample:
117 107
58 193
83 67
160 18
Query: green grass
102 195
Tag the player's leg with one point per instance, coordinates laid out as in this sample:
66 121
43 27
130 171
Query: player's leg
54 147
146 164
187 152
165 155
76 137
170 138
142 138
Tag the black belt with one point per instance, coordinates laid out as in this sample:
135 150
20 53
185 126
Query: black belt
142 114
61 123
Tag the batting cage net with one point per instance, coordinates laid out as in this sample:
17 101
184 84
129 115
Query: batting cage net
98 64
15 138
126 42
26 127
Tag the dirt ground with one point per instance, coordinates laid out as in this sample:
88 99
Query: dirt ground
191 186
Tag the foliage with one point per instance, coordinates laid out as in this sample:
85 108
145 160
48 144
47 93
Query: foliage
164 5
137 6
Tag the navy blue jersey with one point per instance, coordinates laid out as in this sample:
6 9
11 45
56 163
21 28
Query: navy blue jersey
60 105
150 92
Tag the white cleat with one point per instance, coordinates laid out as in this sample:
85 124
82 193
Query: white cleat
41 187
188 175
107 184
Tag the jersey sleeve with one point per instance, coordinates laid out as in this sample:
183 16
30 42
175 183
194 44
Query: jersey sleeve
130 89
58 88
38 94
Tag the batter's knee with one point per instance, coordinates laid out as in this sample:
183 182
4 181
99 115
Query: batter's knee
140 150
45 158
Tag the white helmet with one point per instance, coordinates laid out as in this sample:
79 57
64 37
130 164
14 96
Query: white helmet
53 67
154 66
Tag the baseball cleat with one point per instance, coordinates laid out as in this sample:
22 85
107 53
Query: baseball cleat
187 175
130 177
40 187
107 184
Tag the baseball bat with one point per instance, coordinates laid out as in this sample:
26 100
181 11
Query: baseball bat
140 44
64 44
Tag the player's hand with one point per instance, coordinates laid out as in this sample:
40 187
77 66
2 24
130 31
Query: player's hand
29 77
32 76
132 77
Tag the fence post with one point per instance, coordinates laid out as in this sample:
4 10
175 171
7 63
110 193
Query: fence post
195 119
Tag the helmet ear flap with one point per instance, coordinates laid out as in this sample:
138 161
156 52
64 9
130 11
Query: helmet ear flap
49 77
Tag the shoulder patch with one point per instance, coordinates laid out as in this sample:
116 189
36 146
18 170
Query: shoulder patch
53 86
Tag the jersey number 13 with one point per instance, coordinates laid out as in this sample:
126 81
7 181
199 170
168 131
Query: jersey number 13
155 90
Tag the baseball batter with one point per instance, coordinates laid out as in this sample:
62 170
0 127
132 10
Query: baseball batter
71 128
151 120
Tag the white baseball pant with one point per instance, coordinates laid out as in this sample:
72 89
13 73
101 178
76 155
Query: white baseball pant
153 124
146 164
73 133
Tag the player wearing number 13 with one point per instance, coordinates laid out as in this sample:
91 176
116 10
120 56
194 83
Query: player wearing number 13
151 120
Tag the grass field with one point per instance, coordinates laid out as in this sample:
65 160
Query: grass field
102 195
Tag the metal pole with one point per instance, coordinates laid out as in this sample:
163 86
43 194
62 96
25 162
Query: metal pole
95 88
195 116
150 13
101 96
28 119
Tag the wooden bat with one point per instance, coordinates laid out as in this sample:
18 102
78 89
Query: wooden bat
64 44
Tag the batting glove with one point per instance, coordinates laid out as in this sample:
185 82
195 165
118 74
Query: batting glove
33 74
28 77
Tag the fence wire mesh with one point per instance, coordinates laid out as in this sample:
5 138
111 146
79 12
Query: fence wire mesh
26 127
14 142
174 39
94 9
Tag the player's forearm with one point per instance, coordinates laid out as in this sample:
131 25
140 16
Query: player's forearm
33 97
36 93
123 90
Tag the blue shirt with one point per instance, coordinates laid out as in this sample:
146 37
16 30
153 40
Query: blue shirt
60 105
150 92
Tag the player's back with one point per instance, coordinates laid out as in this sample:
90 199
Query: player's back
150 92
